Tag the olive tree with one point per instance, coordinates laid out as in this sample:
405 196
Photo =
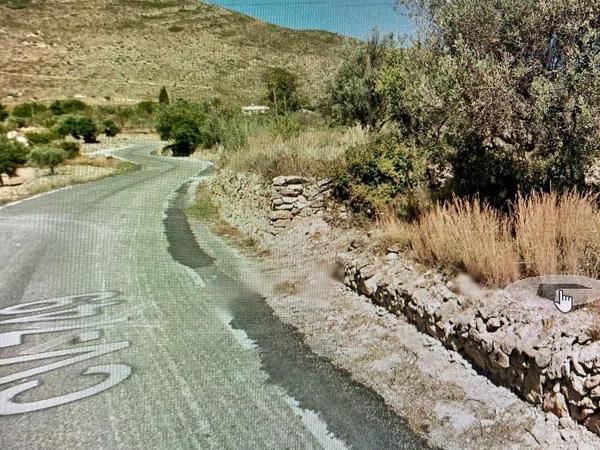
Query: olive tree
49 157
509 90
12 156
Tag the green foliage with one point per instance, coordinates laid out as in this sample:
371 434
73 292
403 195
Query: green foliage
380 174
41 137
68 106
110 128
147 107
508 92
72 149
352 96
233 132
12 156
189 125
282 90
3 113
78 126
49 157
163 96
287 126
30 114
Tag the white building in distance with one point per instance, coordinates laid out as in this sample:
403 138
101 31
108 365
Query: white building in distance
254 109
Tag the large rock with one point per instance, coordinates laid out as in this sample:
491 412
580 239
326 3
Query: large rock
280 215
287 180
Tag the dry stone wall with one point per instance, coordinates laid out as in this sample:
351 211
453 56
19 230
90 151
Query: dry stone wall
263 210
549 359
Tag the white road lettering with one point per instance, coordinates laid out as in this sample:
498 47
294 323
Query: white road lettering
54 303
14 338
39 313
84 353
76 312
117 373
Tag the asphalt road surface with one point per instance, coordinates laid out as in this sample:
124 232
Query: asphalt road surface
117 331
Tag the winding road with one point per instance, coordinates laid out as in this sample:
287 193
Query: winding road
118 331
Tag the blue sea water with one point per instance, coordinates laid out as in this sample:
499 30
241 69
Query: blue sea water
355 18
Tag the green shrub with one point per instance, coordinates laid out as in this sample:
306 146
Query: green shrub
188 125
163 96
352 96
29 110
282 90
41 137
508 90
380 174
287 126
12 156
146 107
68 106
78 126
3 113
30 114
49 157
233 132
72 149
110 128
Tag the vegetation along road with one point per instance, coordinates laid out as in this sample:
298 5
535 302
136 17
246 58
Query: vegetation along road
118 331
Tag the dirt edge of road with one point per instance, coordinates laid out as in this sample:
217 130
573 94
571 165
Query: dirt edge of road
437 391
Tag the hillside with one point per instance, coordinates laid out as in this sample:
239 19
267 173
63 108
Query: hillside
124 50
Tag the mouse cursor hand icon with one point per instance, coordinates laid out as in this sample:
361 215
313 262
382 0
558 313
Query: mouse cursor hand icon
564 303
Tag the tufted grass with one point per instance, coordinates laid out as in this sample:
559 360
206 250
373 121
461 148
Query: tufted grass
544 234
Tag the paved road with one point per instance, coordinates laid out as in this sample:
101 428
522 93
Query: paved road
118 331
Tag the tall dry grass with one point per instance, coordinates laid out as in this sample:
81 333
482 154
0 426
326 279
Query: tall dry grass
546 234
466 235
558 234
309 153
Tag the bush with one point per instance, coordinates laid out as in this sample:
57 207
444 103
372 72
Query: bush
110 128
30 114
380 174
68 106
352 96
48 157
163 96
41 137
147 107
189 125
72 149
507 89
282 90
29 110
3 113
78 127
12 156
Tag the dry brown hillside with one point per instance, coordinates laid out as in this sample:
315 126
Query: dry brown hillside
126 49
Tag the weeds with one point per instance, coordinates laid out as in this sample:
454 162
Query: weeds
545 234
309 153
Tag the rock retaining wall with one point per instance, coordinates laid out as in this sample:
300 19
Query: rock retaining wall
263 211
548 358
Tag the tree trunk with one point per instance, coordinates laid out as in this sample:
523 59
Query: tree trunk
1 180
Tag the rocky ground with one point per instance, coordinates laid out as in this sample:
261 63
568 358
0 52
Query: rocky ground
435 389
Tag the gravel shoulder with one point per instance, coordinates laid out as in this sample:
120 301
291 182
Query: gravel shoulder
437 391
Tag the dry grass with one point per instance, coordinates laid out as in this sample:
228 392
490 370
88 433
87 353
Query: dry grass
558 234
66 175
466 235
547 234
310 153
